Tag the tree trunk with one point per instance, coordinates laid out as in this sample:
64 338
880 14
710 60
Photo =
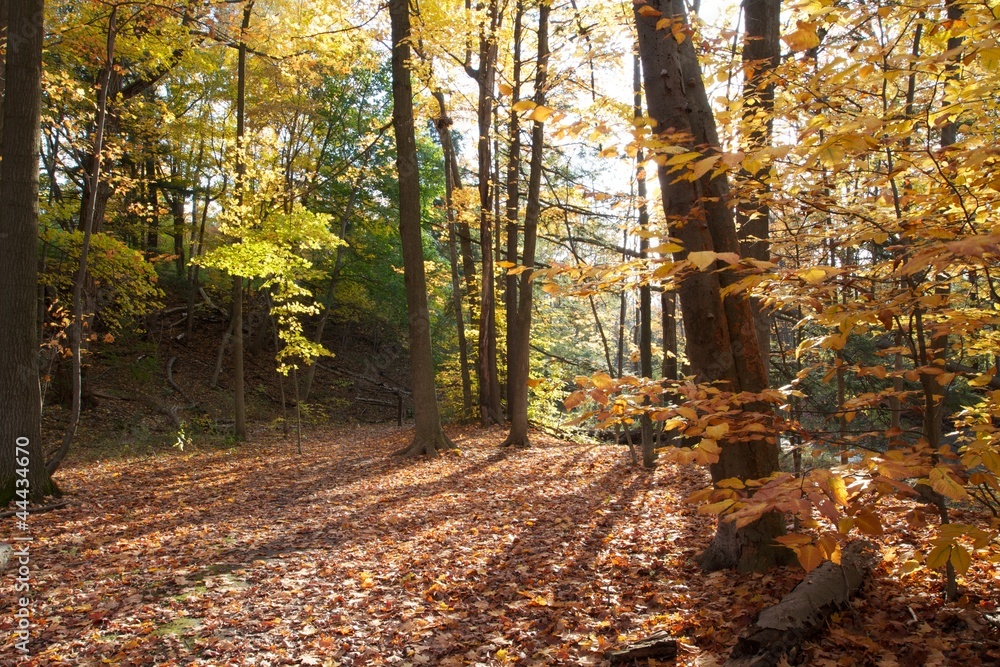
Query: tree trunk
20 397
645 291
83 312
451 183
520 337
153 202
237 316
489 381
429 437
725 346
761 54
513 207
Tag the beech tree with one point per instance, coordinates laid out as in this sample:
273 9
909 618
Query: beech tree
429 437
722 341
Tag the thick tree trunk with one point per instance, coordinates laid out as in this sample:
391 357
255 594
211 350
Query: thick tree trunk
429 437
519 338
723 346
20 399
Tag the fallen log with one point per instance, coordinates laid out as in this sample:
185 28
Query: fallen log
659 646
779 630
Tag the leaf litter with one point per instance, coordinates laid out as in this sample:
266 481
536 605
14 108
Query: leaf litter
488 556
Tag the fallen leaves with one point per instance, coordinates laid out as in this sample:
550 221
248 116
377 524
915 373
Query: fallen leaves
347 557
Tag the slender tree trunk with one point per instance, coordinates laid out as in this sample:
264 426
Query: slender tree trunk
725 348
429 437
153 231
645 291
513 207
237 316
20 397
489 382
451 183
520 338
82 279
761 55
937 353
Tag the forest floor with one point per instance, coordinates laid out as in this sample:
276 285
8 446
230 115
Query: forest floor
255 555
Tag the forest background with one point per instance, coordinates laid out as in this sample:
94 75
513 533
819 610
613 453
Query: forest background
771 254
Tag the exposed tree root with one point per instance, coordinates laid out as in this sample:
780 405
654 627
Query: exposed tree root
779 631
35 510
426 445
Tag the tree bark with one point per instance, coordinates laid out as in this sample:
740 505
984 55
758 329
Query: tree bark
83 312
513 207
645 291
761 55
489 381
451 183
429 437
722 342
20 396
239 393
519 338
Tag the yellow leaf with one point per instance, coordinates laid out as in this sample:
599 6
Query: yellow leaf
938 556
701 167
646 10
664 248
943 481
702 259
960 558
505 89
534 382
574 399
506 265
793 540
837 490
523 105
731 483
550 288
810 557
868 522
716 508
991 459
541 114
602 381
716 431
813 275
981 380
687 412
709 445
803 38
699 496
